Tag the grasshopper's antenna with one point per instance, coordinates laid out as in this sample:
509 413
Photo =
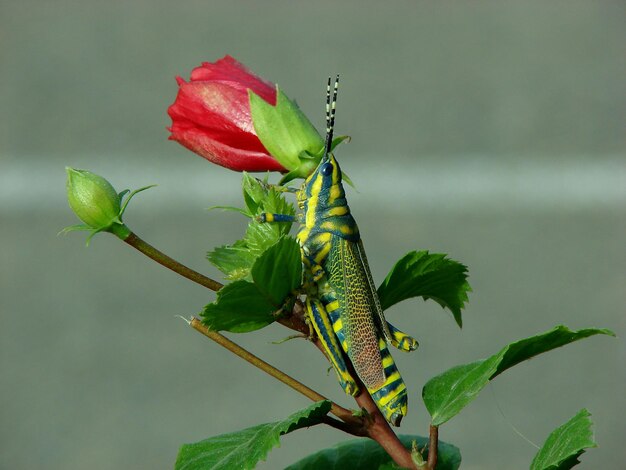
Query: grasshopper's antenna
330 114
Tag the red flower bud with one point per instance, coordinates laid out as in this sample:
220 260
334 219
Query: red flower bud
211 116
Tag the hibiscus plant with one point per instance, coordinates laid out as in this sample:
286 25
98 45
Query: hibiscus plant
235 119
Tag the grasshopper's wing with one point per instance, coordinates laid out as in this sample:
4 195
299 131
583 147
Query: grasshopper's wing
379 317
358 308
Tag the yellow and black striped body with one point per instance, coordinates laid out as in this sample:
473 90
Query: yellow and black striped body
341 294
342 303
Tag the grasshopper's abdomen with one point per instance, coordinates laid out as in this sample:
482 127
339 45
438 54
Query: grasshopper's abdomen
391 397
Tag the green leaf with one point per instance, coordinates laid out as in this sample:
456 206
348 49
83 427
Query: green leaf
447 394
430 276
278 271
253 192
565 444
366 454
236 260
244 449
261 235
230 209
275 203
240 307
243 306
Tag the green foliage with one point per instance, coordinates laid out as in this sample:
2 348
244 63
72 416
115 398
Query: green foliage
447 394
244 449
565 444
243 306
365 454
240 307
278 271
266 269
236 260
430 276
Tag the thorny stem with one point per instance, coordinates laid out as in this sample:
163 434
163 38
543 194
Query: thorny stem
373 426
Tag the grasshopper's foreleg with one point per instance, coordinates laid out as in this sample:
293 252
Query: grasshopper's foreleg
324 330
269 218
401 340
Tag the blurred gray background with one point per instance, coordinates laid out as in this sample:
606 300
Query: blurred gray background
489 131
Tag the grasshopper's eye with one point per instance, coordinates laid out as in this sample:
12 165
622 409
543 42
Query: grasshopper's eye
327 169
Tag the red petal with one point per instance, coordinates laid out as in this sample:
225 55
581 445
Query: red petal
211 116
217 111
234 158
229 71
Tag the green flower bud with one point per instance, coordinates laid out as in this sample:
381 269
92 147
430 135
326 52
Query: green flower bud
287 134
97 204
93 199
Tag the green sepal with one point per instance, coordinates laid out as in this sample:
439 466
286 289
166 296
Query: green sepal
284 130
448 393
366 454
346 179
430 276
244 449
130 196
75 228
308 164
338 140
565 444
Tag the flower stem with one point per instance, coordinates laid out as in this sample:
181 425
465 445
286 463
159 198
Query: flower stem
340 412
379 430
374 427
161 258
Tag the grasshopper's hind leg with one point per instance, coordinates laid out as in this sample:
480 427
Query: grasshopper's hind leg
324 330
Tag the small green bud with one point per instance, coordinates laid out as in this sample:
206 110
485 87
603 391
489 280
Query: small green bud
97 204
286 133
93 199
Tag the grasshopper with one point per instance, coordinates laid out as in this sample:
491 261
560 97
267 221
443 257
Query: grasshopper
341 300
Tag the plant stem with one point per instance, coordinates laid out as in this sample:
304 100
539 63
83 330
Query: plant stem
340 412
379 430
164 260
374 427
348 428
433 444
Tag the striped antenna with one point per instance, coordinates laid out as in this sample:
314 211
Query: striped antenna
330 114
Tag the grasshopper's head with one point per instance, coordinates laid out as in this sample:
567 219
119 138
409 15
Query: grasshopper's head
324 179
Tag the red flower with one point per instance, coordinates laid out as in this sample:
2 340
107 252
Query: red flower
211 116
